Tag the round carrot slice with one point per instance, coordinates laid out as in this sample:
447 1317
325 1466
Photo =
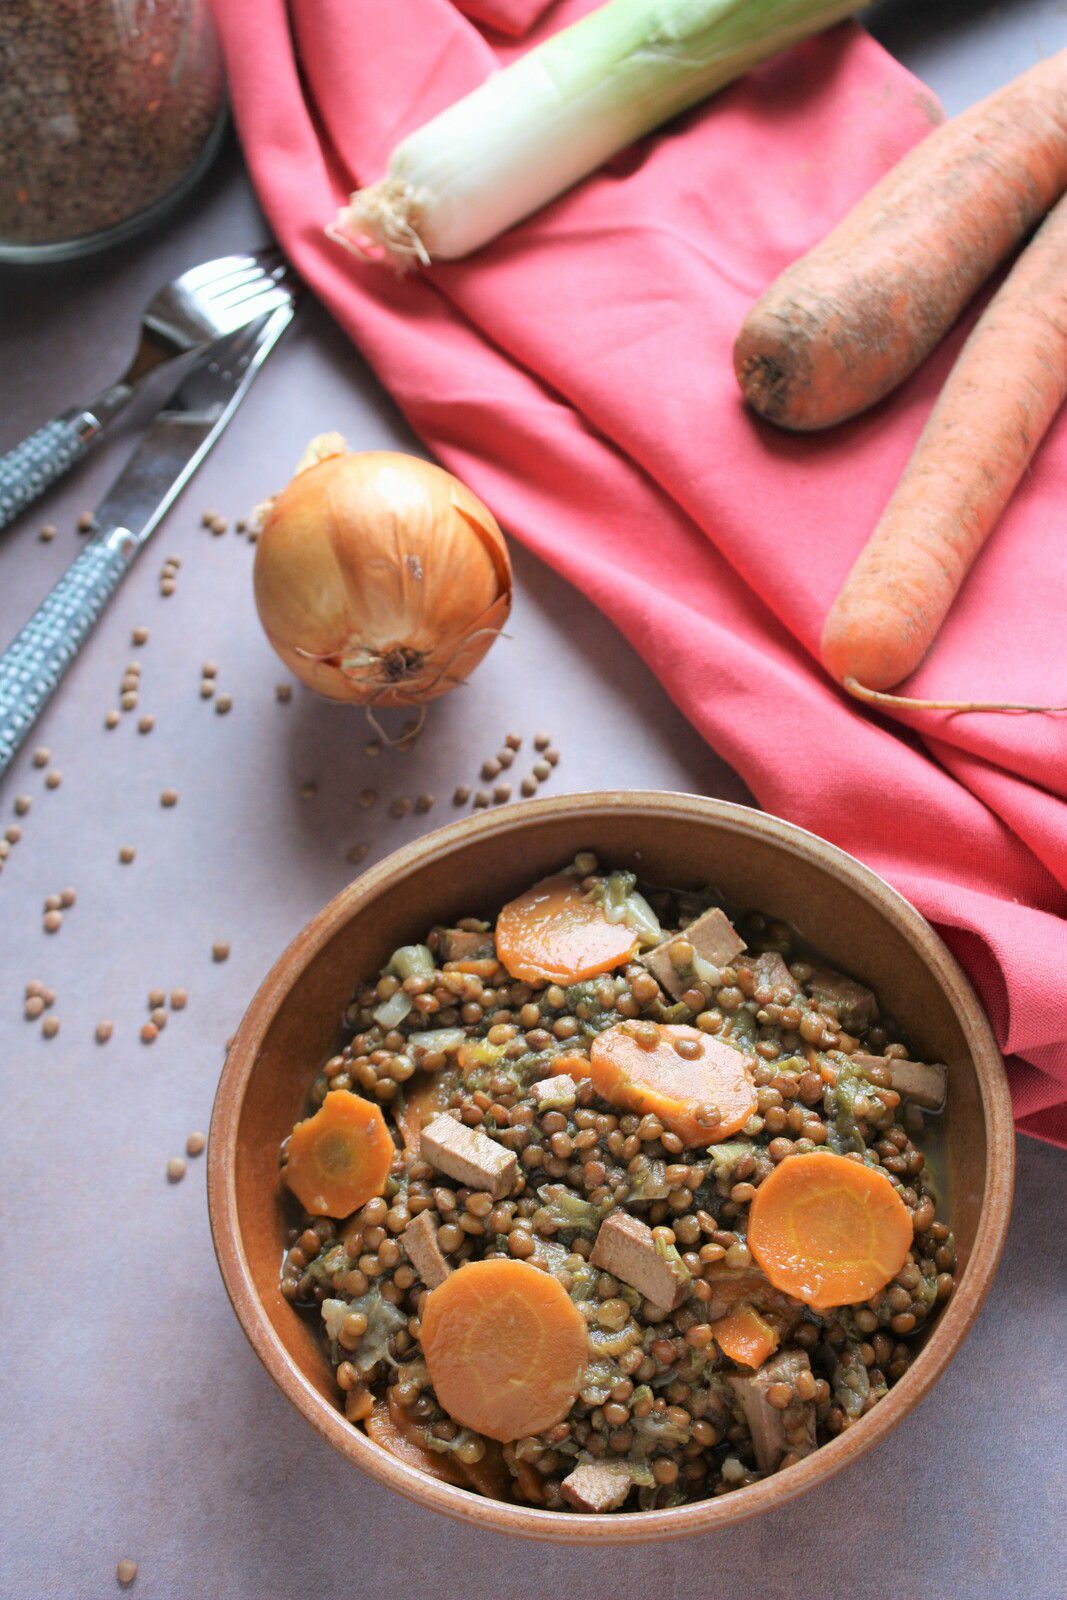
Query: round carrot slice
827 1230
556 934
339 1158
505 1347
702 1092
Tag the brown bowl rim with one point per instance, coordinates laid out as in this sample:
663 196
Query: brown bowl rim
704 1516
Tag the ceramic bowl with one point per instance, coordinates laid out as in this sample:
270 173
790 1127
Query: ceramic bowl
470 868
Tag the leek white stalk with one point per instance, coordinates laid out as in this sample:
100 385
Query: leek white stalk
557 113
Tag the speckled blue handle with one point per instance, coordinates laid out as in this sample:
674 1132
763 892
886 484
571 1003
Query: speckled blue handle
27 471
35 662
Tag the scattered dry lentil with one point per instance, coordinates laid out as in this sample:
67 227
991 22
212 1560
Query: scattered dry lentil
167 586
195 1144
149 1033
33 1008
356 853
223 704
461 795
513 741
126 853
490 769
53 779
86 522
505 757
424 803
283 692
48 533
104 1030
528 787
42 756
139 636
22 804
400 806
128 700
176 1169
309 790
53 921
179 999
156 997
207 688
111 720
552 757
367 797
146 723
541 770
482 798
13 833
67 898
50 1027
501 793
159 1017
542 741
220 950
126 1571
168 797
373 747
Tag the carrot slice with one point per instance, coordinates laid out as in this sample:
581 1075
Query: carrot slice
339 1158
745 1337
389 1427
505 1347
569 1063
556 934
827 1230
424 1097
703 1098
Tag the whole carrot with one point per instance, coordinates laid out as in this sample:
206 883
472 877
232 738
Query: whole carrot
1008 383
850 320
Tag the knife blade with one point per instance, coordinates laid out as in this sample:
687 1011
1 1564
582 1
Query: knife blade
174 445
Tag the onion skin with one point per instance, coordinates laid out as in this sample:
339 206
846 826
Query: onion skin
380 578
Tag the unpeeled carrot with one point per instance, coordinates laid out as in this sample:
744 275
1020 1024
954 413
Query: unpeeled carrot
850 320
1005 389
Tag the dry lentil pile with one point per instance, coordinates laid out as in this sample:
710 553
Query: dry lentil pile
662 1414
104 109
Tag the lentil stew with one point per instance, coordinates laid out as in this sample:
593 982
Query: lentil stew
709 1363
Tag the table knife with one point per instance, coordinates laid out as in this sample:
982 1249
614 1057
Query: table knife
174 445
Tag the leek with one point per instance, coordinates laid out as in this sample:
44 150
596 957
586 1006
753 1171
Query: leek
551 117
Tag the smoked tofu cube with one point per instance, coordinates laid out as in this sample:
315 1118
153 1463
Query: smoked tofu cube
625 1248
713 939
468 1155
597 1486
852 1003
776 1433
419 1239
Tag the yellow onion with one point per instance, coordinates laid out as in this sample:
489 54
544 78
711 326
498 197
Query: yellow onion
379 578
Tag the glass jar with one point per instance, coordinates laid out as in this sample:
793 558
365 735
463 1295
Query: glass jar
109 111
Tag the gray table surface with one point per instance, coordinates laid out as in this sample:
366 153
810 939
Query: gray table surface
136 1420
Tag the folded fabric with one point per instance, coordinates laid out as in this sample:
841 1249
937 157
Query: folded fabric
577 374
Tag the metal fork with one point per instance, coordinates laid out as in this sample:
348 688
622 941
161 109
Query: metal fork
187 315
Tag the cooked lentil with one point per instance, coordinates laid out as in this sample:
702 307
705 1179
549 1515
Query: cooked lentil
659 1397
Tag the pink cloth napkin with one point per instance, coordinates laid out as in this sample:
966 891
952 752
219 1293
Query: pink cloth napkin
577 375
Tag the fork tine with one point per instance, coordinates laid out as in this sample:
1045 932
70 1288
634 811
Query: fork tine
208 271
212 292
242 294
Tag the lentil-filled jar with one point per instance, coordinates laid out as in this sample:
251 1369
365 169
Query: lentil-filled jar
109 111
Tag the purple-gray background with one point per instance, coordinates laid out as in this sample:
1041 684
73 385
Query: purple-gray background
136 1419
